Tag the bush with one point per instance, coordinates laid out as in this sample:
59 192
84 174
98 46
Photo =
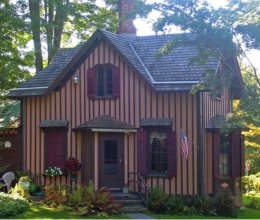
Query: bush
202 204
12 205
157 200
85 201
18 190
55 196
225 205
177 205
248 183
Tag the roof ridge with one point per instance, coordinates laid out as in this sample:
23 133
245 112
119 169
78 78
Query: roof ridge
138 57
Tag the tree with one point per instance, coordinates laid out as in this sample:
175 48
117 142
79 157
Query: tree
52 22
15 61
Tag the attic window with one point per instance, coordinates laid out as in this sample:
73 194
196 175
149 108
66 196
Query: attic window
103 81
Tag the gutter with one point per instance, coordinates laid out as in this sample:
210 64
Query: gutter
31 88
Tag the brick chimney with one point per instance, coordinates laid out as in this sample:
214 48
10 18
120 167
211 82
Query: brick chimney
126 25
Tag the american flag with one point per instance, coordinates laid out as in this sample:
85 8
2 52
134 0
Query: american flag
184 146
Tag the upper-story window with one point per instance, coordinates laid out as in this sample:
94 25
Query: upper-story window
103 81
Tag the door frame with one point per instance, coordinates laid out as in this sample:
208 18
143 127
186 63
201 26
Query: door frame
111 136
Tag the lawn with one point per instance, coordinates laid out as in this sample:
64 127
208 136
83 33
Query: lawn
247 213
41 212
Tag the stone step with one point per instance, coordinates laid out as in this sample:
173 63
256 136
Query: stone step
125 196
130 202
133 209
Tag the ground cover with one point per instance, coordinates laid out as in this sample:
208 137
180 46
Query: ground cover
42 212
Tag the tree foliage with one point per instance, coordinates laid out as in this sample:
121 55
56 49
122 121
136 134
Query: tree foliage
15 60
54 23
219 31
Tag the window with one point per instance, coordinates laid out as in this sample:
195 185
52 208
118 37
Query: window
55 147
157 152
225 155
103 81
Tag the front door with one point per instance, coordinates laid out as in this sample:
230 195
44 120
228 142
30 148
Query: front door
111 157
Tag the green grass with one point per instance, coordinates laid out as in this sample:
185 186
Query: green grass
41 212
247 213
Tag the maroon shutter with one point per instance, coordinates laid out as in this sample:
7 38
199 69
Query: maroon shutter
242 145
235 155
116 81
171 154
216 152
55 144
91 82
142 152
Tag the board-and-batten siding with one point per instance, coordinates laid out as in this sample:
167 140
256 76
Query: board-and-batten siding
137 100
212 107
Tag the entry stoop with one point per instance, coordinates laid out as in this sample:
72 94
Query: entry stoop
131 202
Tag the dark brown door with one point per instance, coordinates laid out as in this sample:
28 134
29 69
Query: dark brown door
111 157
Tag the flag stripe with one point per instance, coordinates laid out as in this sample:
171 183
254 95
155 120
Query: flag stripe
184 146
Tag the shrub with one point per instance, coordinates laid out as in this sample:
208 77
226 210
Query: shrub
176 205
225 205
55 196
202 204
85 201
157 200
248 183
12 205
18 191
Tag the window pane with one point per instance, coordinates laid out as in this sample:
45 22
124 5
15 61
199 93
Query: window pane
109 81
225 154
110 157
158 152
100 82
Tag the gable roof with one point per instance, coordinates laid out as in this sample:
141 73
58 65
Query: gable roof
170 72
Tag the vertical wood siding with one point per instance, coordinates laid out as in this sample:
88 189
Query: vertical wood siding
137 100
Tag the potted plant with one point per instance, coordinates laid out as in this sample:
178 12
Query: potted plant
72 166
24 181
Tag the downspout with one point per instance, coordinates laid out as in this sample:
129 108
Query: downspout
21 136
200 135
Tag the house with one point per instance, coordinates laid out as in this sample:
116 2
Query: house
121 110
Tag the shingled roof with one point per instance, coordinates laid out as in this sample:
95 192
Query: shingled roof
105 122
170 72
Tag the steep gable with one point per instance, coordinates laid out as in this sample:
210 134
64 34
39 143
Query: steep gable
170 72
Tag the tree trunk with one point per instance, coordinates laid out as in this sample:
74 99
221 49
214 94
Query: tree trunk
60 17
34 6
49 12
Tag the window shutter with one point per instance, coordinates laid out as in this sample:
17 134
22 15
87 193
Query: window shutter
235 155
91 82
116 81
242 144
55 145
216 152
171 154
142 152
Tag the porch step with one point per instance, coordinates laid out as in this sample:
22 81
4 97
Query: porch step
130 202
